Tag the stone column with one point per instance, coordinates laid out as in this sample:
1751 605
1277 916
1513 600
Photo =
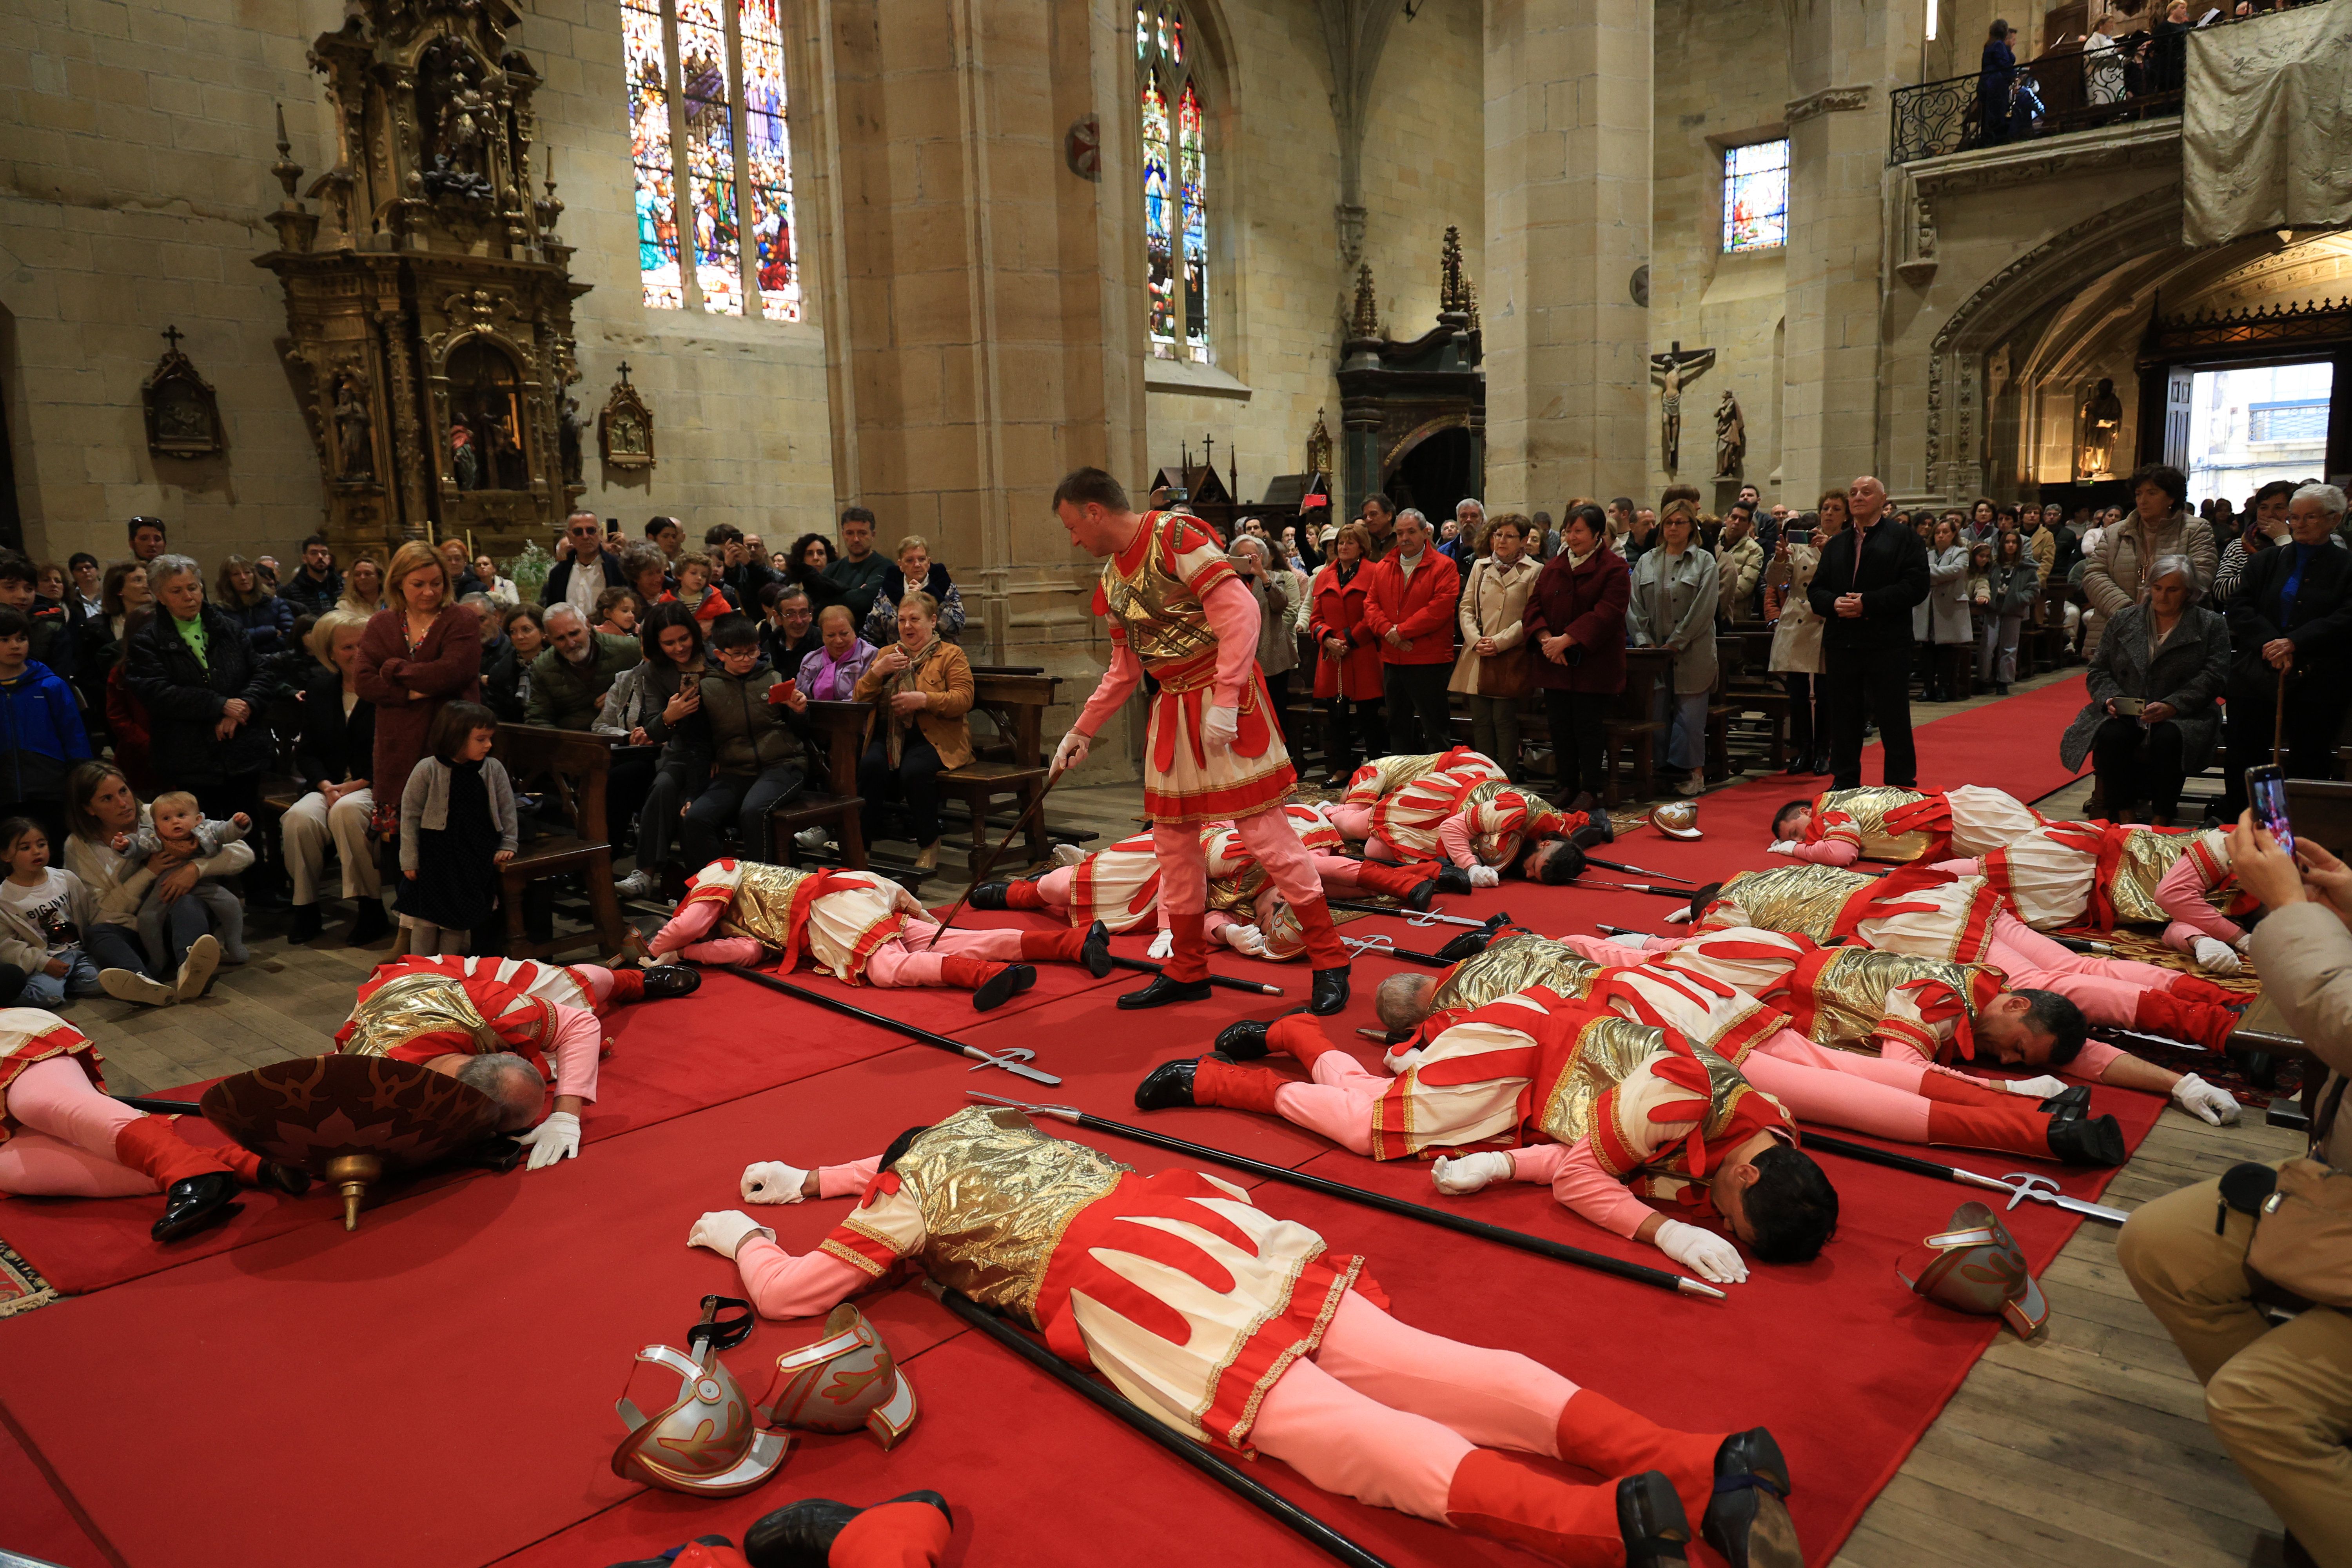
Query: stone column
983 338
1568 223
1843 60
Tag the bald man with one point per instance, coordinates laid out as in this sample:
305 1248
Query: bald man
1870 578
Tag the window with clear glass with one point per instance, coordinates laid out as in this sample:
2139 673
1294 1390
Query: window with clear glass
712 154
1756 196
1175 184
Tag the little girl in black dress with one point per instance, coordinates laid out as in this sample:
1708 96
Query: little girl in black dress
457 828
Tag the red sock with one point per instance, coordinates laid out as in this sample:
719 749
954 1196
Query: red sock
2191 988
1017 896
1600 1433
1187 961
892 1535
153 1147
242 1164
1492 1497
1396 882
2018 1127
966 973
628 985
1301 1036
1062 946
1237 1085
1950 1090
1324 948
2199 1022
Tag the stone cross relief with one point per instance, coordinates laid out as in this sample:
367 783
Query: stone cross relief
1673 371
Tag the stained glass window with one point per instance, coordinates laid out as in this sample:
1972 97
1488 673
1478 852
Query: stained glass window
712 156
1175 185
1756 196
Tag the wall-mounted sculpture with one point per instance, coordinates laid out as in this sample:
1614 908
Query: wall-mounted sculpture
625 430
182 415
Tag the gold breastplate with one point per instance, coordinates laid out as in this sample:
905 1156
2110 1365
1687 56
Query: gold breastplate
1511 965
1605 1053
2146 857
762 906
412 1005
1803 900
1163 618
996 1195
1868 806
1850 991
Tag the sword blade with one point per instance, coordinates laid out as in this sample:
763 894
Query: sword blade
2080 1205
989 1060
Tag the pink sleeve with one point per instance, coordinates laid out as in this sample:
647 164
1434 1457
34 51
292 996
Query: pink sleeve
1120 679
1232 616
1828 852
1602 951
693 920
1454 837
2181 896
1578 1183
847 1181
783 1286
579 1037
2091 1062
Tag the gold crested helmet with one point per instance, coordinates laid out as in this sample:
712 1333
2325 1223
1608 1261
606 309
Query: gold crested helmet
706 1441
1979 1267
845 1379
1677 819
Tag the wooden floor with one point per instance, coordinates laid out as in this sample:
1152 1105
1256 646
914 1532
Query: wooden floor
2087 1449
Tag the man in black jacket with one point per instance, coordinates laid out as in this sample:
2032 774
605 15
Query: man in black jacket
318 586
1870 577
2291 619
578 585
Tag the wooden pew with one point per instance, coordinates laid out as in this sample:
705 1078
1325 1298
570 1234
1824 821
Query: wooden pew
567 768
1012 765
831 798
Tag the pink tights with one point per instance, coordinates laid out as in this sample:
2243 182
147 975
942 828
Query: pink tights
907 959
1338 1104
65 1143
2107 990
1386 1412
1865 1094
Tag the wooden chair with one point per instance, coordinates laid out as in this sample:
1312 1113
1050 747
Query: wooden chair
2321 810
567 768
1631 725
831 799
1014 765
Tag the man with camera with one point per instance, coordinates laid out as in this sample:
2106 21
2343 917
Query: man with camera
2279 1398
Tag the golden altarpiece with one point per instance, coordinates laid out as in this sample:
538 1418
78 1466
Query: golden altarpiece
428 300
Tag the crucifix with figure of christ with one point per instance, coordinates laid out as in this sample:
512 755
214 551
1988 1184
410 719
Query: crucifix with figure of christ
1673 371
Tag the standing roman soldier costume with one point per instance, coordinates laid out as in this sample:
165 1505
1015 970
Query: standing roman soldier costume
61 1136
861 928
1213 752
1217 1320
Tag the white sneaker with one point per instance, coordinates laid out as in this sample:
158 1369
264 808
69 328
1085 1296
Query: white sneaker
814 839
635 885
1690 786
196 969
130 985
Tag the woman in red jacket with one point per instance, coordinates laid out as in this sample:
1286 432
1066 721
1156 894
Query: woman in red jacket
416 658
1576 620
1347 661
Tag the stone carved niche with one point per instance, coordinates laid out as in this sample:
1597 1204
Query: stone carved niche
428 300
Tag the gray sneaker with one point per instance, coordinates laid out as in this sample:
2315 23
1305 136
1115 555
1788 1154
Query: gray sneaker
814 839
636 885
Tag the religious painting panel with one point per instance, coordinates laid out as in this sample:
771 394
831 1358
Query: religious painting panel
768 154
656 188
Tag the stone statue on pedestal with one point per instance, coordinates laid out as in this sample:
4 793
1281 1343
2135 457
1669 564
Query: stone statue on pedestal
1730 437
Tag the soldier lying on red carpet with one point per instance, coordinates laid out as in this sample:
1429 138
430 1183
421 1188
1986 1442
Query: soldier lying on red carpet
1460 811
1246 1332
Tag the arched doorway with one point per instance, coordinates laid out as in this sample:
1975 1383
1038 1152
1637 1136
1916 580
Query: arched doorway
1435 474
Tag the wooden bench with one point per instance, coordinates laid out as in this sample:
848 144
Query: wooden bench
1012 765
566 768
831 799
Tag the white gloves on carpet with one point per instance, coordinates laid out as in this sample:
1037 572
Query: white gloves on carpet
2040 1087
1400 1058
1244 939
725 1230
1221 729
1486 876
1468 1173
557 1138
2215 1107
1161 945
1679 917
1703 1252
1783 846
2214 956
1071 751
773 1182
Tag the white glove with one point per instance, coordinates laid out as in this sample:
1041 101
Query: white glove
1222 728
557 1138
2202 1101
773 1182
1161 945
2040 1087
2215 955
1703 1252
725 1230
1468 1173
1486 876
1783 846
1679 917
2246 943
1400 1058
1245 939
1071 751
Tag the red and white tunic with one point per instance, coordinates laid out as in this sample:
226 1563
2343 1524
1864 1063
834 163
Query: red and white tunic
839 918
407 1010
1119 885
554 982
30 1034
1409 816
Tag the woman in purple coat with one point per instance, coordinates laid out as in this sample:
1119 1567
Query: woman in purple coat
1576 620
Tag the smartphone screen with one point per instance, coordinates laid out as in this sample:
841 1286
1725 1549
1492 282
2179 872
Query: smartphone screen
2266 791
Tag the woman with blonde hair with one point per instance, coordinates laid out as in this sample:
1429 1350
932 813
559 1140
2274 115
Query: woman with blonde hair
332 760
1495 669
363 586
418 655
922 689
916 572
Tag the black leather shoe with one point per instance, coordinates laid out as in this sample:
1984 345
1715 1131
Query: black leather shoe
291 1180
1002 986
2092 1141
1452 878
990 896
2069 1104
665 1562
1422 892
192 1203
1167 1086
305 923
1651 1520
1330 992
801 1535
374 924
1095 954
1161 991
1468 944
1746 1519
666 980
1245 1041
1597 829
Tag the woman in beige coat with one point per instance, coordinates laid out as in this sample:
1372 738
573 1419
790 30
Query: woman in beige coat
1493 670
1797 633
